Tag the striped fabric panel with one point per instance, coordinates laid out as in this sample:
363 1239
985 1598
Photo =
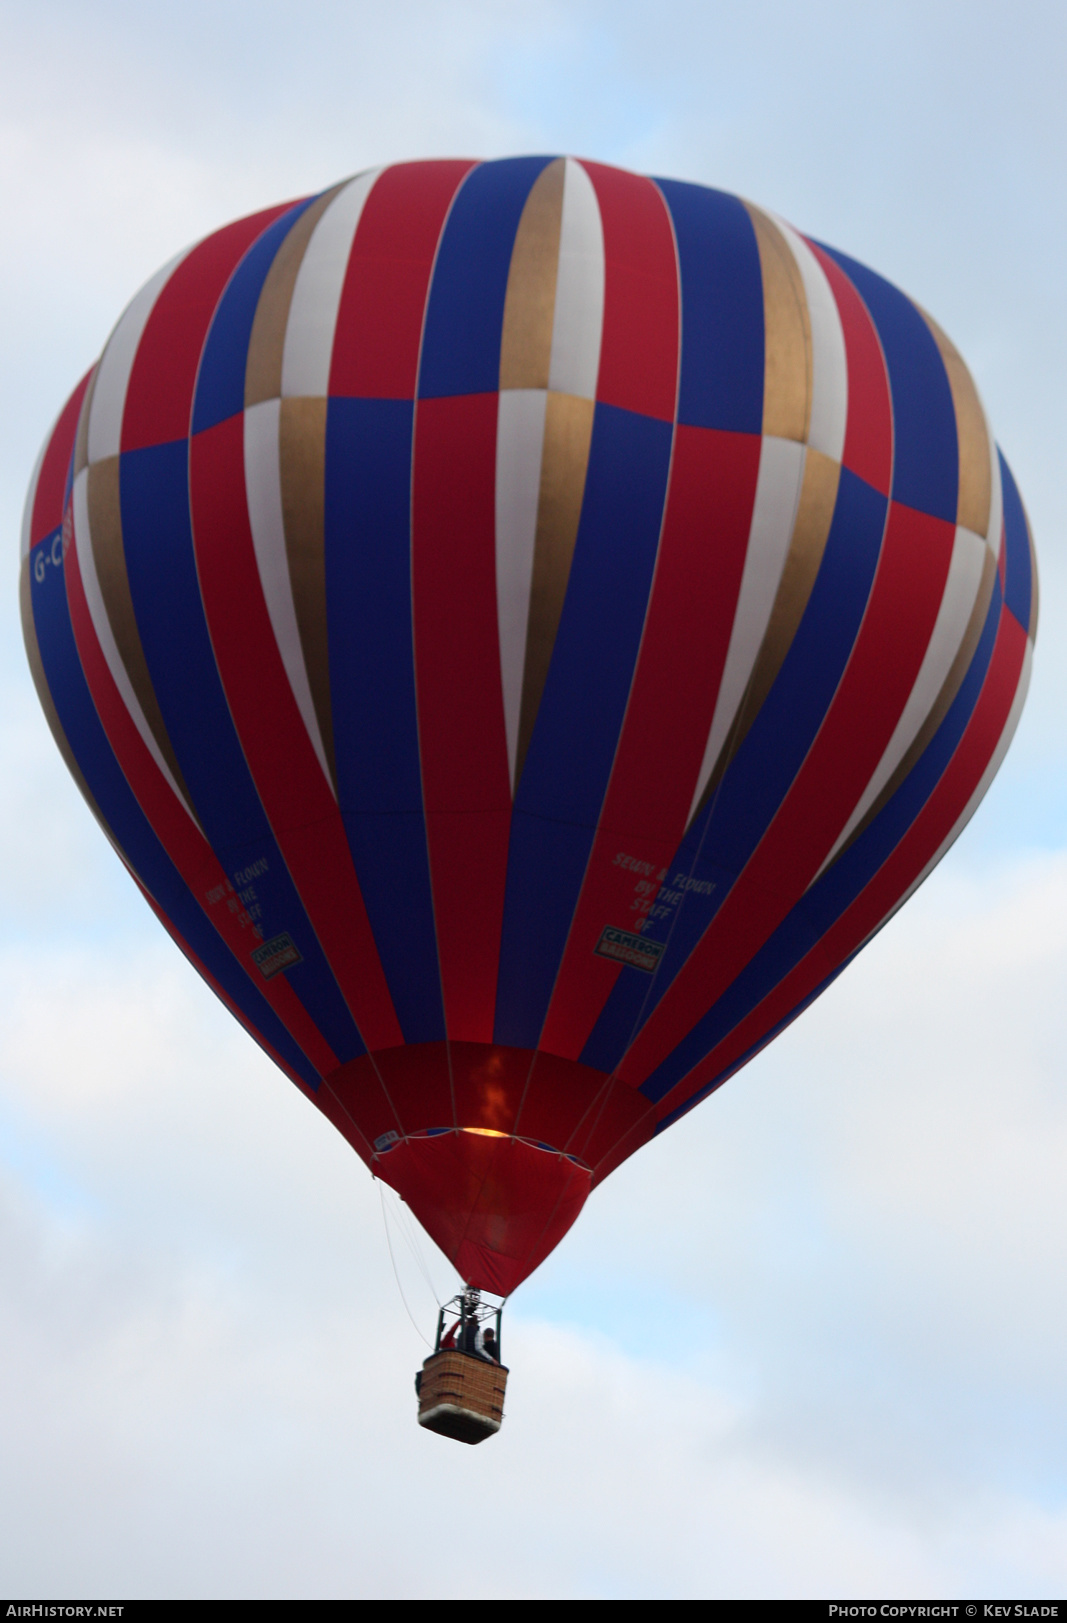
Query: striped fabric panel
801 932
98 524
367 533
874 685
250 888
803 423
49 606
270 537
479 559
590 672
949 654
99 517
658 756
462 733
42 520
159 483
281 487
192 856
720 844
769 825
276 738
723 940
966 597
312 317
881 869
295 796
695 588
549 360
801 591
99 521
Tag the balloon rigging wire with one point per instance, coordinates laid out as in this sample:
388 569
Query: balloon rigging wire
407 1229
396 1275
411 1239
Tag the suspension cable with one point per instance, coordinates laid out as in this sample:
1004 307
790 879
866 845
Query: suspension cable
396 1276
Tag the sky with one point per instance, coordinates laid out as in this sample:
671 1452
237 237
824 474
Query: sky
811 1341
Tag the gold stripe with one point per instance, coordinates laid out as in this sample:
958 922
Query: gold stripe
815 511
949 689
972 436
81 438
105 524
530 303
811 529
564 461
302 449
44 694
787 363
263 369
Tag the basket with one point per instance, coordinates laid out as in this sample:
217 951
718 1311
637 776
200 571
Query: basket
461 1396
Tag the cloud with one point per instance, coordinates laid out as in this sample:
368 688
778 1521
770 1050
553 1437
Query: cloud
875 1207
806 1342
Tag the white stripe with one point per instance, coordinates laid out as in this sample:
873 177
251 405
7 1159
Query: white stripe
829 388
996 499
116 364
578 319
950 628
83 541
317 292
520 440
31 495
983 784
781 474
263 487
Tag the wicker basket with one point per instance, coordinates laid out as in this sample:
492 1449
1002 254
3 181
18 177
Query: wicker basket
462 1396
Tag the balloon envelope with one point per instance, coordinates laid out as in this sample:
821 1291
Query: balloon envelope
524 626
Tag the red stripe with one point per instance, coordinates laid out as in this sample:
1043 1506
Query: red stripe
881 671
869 429
379 320
174 828
338 1115
639 347
47 512
296 797
462 742
894 879
159 397
672 702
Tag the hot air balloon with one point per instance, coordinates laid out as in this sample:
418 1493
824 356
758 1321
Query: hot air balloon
525 627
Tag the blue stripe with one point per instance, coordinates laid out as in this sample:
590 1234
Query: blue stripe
220 382
721 841
925 450
573 744
161 563
465 312
821 906
721 383
372 683
127 822
1018 572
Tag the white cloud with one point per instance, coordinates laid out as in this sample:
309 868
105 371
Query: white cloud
839 1367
